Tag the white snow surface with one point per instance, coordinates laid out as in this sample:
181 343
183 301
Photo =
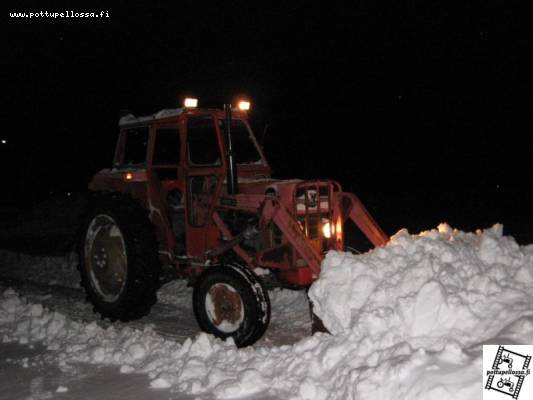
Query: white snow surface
408 322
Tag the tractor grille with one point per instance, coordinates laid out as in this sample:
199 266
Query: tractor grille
313 208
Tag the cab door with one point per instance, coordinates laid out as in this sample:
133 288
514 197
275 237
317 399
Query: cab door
204 178
168 186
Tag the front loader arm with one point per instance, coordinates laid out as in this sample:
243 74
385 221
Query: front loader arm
274 210
351 207
270 210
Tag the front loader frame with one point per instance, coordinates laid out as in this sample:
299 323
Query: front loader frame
271 210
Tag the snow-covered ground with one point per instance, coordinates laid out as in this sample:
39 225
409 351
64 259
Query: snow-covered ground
408 322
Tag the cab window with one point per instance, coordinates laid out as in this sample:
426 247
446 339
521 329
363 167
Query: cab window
202 142
135 145
245 149
167 147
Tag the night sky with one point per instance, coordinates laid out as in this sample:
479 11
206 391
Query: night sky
422 109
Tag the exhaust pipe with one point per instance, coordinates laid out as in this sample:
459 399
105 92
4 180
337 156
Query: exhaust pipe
232 175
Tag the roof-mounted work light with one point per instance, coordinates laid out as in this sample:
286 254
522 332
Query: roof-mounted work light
190 102
243 105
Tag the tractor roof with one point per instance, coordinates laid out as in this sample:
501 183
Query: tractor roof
165 113
131 119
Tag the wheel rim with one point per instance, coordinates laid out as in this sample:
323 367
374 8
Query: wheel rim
224 307
105 257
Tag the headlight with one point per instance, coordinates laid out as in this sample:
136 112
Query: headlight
326 229
338 228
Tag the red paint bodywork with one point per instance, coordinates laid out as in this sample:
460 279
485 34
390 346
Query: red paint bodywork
284 206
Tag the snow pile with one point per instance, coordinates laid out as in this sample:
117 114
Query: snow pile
408 320
415 313
421 289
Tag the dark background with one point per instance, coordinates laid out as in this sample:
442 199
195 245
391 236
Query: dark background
423 110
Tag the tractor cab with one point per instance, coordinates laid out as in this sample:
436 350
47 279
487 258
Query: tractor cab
175 162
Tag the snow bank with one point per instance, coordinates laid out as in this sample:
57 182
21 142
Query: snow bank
415 313
420 289
408 320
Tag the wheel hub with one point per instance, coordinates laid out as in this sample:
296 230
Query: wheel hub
224 307
106 259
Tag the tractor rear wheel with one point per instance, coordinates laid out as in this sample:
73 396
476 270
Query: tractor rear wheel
119 266
231 301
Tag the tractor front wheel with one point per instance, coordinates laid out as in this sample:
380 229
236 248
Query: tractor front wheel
230 300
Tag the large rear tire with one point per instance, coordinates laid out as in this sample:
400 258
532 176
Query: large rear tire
119 264
231 301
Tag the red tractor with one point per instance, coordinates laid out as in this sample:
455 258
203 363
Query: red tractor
190 195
